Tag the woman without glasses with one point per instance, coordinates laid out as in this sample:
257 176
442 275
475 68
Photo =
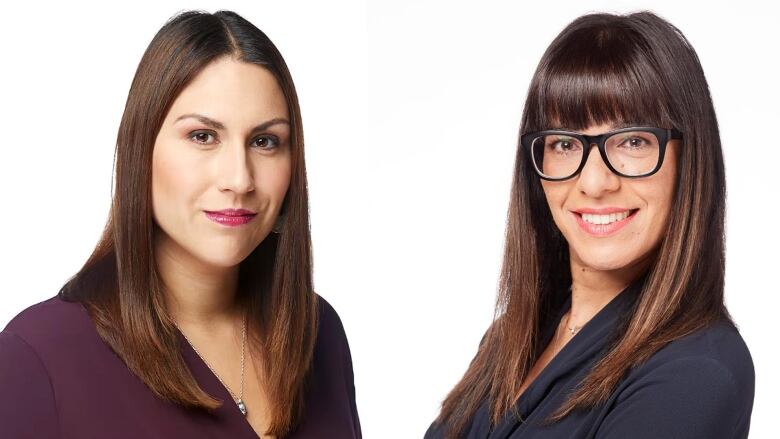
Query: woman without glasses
610 321
195 315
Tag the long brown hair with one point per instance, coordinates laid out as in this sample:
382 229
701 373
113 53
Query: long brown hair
119 284
605 68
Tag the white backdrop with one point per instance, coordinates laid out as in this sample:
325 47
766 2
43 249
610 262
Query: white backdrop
411 111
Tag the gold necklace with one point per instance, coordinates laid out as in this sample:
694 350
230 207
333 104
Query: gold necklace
568 316
556 337
239 401
574 329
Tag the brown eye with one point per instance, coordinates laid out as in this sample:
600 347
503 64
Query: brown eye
266 142
635 142
563 145
201 137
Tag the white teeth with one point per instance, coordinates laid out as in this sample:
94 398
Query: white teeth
605 219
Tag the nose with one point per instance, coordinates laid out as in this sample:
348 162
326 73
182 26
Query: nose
596 179
234 169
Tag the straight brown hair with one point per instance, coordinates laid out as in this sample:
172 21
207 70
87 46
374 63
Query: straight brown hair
119 284
605 68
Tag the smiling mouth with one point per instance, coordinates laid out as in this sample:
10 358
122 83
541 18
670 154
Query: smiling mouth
601 225
592 218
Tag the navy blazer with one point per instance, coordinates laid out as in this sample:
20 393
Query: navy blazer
697 387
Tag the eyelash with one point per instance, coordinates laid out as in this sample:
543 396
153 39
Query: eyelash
639 138
272 138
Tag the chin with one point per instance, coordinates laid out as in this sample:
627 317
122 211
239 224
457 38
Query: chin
606 258
222 260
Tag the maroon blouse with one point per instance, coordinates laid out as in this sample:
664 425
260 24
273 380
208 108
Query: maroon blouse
58 379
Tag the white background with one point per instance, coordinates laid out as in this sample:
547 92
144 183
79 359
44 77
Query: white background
411 112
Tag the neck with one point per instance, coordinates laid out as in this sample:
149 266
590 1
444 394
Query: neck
592 289
195 293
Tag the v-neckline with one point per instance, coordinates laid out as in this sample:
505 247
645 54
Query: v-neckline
214 386
572 355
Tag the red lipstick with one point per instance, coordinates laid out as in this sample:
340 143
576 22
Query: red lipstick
231 217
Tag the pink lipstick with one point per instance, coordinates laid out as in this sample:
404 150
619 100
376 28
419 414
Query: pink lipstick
605 221
231 217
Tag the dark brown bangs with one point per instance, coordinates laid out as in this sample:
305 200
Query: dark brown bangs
595 75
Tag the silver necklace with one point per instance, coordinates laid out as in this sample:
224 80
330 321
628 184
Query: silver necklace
239 401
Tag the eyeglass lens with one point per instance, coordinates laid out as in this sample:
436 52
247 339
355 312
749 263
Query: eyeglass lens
631 153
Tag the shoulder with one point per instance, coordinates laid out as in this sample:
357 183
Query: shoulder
50 325
717 353
27 402
331 408
698 386
329 322
331 350
54 307
49 320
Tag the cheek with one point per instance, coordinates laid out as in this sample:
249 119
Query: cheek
173 178
272 178
556 193
659 212
659 193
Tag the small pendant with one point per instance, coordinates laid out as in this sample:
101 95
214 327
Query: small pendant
241 406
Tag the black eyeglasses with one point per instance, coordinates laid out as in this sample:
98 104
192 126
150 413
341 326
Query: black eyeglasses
628 152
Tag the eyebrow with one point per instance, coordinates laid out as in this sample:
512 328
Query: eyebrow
217 125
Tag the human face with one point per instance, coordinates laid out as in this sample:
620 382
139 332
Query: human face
637 210
224 144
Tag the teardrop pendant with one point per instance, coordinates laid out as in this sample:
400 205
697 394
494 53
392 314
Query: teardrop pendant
241 406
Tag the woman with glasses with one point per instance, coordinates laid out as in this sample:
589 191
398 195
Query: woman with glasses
610 321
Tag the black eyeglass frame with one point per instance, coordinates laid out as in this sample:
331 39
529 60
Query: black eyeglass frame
662 134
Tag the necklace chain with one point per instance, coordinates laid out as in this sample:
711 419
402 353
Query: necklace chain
574 329
557 331
568 316
238 400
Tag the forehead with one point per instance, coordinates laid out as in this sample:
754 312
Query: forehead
233 91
